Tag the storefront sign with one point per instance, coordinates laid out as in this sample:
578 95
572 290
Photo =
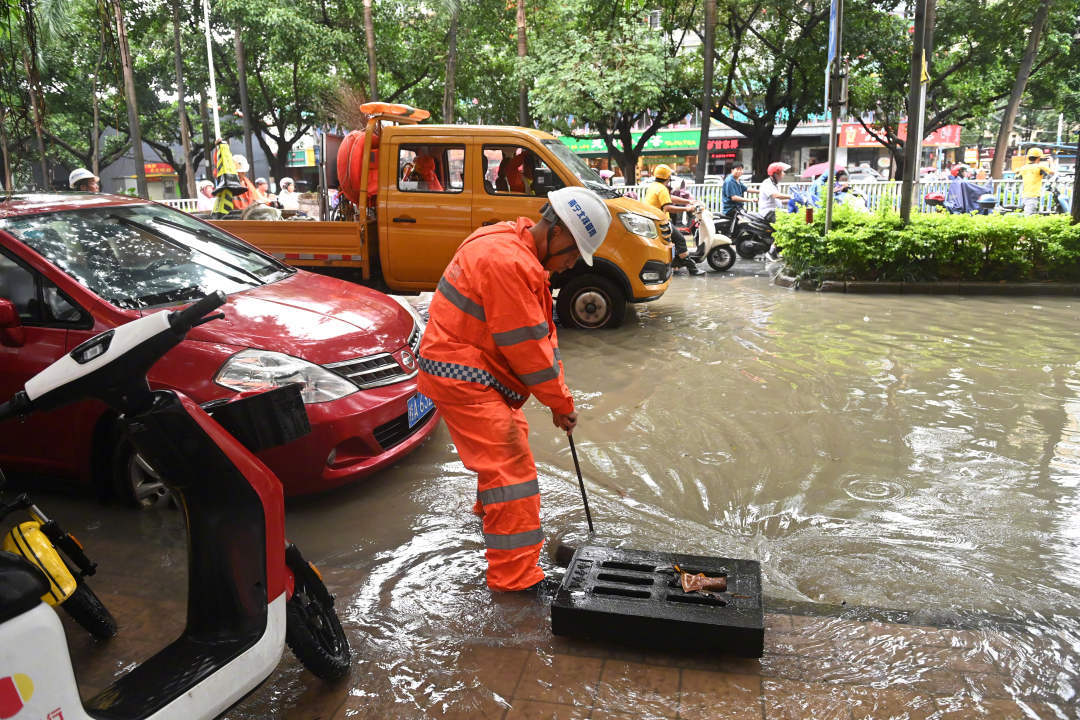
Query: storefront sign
855 135
665 141
158 168
723 148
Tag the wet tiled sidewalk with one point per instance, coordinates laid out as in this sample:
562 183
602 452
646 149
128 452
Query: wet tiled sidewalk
814 667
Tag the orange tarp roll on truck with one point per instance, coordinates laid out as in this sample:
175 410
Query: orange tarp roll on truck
350 161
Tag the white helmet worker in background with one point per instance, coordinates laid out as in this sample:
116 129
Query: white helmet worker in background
241 163
84 180
584 214
490 343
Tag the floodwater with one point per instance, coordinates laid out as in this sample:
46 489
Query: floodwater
887 457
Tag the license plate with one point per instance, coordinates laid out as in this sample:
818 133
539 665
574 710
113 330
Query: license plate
419 404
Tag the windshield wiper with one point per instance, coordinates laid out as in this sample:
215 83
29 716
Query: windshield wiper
223 239
181 246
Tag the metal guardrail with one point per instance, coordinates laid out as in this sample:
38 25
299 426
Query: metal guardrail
876 193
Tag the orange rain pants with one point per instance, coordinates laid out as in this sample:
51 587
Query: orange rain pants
492 440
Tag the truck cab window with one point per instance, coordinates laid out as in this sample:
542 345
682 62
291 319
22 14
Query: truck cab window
431 168
517 170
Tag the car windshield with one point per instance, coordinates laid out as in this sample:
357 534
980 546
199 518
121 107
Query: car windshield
139 256
584 173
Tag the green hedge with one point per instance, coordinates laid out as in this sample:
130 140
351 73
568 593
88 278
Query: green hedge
934 246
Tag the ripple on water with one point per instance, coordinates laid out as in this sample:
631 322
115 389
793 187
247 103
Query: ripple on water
875 489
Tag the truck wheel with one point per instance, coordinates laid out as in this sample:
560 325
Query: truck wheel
133 480
590 302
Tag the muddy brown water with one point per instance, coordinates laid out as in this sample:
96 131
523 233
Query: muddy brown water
918 454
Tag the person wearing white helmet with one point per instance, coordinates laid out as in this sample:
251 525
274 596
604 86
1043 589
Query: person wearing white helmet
243 200
83 180
490 343
287 195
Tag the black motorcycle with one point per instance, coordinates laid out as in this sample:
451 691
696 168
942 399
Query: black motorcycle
752 233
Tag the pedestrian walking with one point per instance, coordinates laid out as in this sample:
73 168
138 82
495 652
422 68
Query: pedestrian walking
489 344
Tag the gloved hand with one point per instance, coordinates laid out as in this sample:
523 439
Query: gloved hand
565 422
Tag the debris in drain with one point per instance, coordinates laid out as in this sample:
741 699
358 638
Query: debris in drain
701 582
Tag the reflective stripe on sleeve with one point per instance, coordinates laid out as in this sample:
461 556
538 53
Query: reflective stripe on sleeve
459 301
514 540
535 378
505 493
521 334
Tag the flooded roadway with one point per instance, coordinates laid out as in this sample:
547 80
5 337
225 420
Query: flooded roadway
899 457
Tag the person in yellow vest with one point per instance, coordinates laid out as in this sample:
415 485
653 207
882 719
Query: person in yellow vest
1032 174
658 194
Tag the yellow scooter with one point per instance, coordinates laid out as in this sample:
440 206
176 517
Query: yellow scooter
41 541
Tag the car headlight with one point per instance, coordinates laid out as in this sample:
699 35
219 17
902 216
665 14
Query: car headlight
266 370
409 308
639 224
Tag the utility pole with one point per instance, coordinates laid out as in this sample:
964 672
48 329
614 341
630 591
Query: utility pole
210 65
916 101
837 98
706 99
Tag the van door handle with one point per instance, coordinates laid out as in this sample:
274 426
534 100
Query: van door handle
405 219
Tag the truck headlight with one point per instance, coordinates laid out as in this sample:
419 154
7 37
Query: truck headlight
639 224
265 370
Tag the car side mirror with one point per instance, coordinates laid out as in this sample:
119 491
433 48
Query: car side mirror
12 333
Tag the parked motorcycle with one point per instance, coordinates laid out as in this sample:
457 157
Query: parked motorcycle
61 560
709 242
249 591
751 231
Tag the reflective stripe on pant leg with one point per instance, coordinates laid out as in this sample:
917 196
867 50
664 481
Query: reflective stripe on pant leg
492 440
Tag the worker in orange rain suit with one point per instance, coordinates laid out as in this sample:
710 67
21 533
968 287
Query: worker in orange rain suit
490 343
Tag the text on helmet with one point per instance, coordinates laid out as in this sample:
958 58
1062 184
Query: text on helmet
580 212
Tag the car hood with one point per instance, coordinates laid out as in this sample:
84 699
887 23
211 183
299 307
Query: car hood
625 204
314 317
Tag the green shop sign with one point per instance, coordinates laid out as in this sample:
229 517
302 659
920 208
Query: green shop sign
665 141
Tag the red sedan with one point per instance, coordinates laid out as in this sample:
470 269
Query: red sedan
74 265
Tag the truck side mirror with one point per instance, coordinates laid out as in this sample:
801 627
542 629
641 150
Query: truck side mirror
12 333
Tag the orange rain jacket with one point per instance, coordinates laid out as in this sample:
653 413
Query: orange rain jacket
491 328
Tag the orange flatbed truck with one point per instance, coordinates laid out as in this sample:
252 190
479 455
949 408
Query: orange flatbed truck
419 190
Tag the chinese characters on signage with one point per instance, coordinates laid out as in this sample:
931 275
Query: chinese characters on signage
723 148
855 135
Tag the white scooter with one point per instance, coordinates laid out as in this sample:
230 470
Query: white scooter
249 591
705 241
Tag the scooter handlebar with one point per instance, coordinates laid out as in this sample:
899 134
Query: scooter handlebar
183 320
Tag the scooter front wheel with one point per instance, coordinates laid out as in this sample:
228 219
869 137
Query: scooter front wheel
85 608
313 631
721 257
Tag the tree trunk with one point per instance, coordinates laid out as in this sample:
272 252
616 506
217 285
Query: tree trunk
1022 75
449 92
241 78
764 149
208 145
523 52
95 125
369 36
4 148
132 103
39 123
706 99
181 105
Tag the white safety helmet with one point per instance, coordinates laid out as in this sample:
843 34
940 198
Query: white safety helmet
584 214
241 163
79 174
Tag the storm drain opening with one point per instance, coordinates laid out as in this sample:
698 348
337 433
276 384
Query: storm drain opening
637 597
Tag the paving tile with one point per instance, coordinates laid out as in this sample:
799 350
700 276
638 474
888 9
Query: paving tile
497 668
789 700
558 678
651 690
720 696
534 710
868 703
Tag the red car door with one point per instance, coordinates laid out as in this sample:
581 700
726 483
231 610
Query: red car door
48 441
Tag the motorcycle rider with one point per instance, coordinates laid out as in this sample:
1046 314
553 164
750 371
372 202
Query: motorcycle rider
963 195
1032 174
733 194
769 191
659 196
